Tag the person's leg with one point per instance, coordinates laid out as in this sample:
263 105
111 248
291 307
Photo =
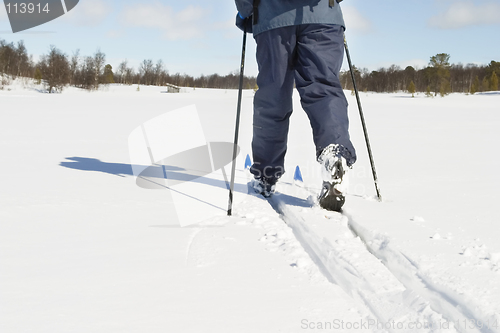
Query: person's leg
320 52
273 101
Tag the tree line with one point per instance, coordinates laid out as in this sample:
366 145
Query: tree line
439 77
57 70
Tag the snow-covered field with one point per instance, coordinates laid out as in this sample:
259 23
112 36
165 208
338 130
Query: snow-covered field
84 249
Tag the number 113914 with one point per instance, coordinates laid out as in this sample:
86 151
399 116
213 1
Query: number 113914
27 8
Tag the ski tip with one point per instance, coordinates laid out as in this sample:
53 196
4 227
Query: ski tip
297 176
248 162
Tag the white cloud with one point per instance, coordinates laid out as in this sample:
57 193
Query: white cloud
89 13
183 25
355 21
466 13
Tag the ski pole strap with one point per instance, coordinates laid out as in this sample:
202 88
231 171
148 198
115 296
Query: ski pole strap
255 11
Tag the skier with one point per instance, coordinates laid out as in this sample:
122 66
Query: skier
301 42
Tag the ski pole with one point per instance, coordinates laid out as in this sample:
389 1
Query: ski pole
237 126
365 131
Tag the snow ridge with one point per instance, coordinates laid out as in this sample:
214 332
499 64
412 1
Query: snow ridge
391 303
452 306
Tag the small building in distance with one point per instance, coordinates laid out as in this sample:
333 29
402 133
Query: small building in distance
172 89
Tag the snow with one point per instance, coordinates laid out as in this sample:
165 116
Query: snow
83 248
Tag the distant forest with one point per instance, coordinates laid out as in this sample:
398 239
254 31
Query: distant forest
56 70
439 77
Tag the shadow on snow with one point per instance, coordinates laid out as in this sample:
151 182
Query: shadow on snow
161 176
174 174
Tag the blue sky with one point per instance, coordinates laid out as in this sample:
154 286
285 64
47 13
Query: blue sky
199 37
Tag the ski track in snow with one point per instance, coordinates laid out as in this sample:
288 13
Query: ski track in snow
454 307
348 265
387 283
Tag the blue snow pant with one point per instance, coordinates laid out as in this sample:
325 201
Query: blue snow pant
310 56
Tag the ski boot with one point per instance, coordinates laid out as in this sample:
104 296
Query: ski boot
264 186
333 168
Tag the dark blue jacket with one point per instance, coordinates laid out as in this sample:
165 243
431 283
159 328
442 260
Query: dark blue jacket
281 13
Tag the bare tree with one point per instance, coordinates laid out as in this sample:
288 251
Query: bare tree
22 60
158 73
85 76
130 76
99 60
7 55
121 72
55 69
73 67
147 71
